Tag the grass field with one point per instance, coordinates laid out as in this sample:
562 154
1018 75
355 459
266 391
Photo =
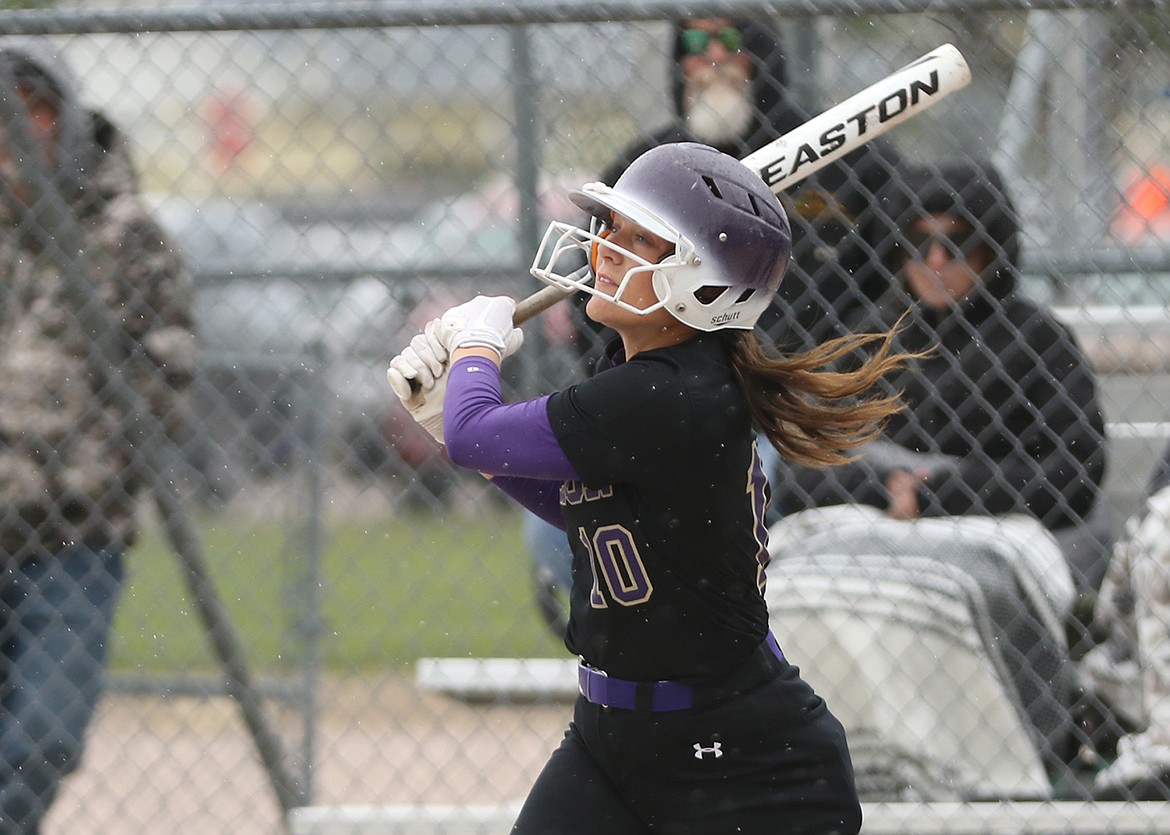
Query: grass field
393 589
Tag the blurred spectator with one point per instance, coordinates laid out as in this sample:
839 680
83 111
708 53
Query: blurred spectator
552 571
1003 415
1130 669
728 83
69 471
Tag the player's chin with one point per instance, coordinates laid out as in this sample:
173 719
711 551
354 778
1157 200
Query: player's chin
602 310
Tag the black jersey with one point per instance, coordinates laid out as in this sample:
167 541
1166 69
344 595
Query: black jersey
667 522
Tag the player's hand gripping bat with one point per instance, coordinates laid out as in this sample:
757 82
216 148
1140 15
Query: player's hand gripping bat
826 138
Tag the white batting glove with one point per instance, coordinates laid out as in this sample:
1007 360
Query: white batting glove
418 377
483 322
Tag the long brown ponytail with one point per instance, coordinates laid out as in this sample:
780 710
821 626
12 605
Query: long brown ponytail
812 414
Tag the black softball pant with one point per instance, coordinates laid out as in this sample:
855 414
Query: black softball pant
772 760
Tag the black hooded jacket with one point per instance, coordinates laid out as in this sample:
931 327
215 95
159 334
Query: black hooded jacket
839 216
1004 412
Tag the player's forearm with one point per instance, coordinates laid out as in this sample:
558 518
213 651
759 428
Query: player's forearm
487 435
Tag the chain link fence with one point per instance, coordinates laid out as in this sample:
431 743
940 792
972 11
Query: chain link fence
322 612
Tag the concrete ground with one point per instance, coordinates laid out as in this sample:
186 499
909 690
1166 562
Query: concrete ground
187 766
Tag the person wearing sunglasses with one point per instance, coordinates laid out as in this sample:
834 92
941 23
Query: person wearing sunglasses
1002 420
726 82
728 87
1003 417
717 101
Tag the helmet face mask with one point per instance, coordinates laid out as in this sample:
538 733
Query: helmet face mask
564 246
730 235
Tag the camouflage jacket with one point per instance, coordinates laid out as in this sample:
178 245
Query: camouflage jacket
1131 668
68 467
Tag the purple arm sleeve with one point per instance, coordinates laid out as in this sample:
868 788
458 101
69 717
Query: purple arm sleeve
501 439
542 498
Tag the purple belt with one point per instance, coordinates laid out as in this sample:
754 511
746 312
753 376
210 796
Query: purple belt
657 696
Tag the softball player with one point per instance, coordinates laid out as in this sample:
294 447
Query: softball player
690 718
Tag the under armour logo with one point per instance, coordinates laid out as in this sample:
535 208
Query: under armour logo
716 749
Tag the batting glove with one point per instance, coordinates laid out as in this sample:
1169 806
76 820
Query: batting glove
418 377
483 322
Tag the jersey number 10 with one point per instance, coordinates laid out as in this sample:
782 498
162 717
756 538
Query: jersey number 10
614 558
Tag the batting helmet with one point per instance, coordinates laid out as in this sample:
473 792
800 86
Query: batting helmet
730 234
